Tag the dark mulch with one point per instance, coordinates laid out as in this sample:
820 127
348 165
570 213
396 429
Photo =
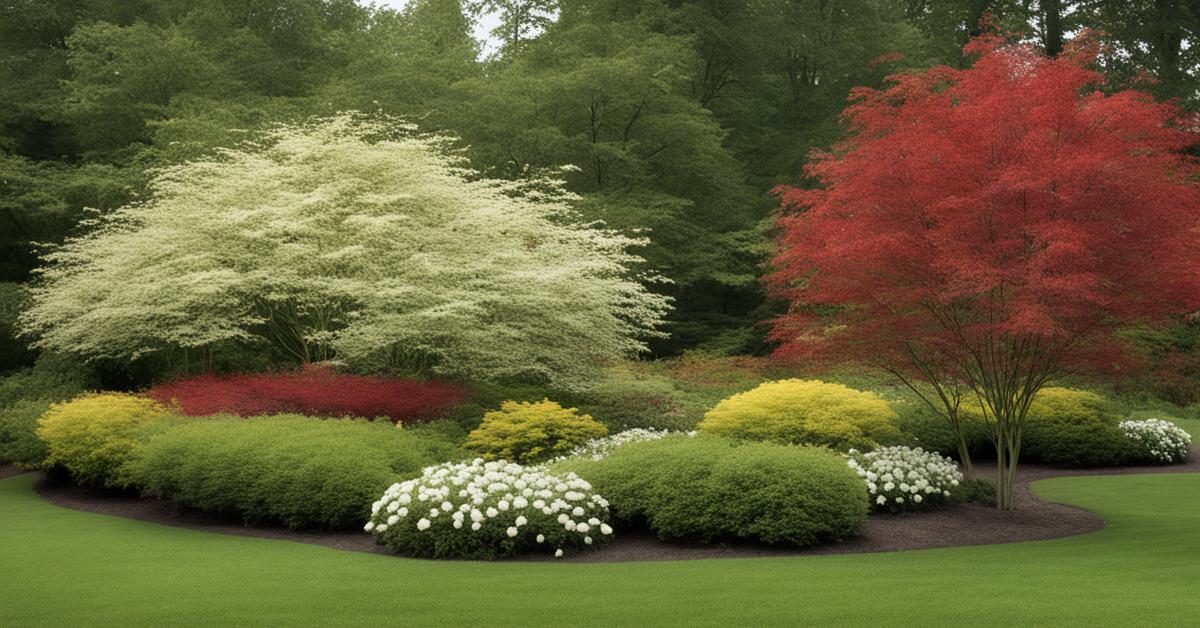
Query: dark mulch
958 525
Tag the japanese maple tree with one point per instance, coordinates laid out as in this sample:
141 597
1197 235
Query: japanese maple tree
983 231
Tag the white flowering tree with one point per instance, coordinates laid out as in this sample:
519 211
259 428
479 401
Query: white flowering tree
352 238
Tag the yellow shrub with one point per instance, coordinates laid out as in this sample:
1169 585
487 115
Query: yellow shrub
804 411
528 432
94 435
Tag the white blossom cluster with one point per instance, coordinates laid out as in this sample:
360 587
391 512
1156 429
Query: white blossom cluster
600 448
479 509
904 477
1162 440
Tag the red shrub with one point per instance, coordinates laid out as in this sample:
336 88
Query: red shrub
313 391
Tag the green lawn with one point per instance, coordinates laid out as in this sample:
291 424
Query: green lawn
62 567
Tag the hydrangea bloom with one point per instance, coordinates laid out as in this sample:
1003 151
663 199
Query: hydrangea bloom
904 478
1160 441
512 509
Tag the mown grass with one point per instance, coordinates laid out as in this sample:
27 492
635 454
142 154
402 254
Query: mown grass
62 567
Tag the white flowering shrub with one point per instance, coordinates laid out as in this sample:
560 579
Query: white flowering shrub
600 448
488 510
905 478
1159 440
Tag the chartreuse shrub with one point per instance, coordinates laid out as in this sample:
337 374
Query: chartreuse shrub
300 471
96 435
804 412
707 488
528 432
1074 428
19 443
489 510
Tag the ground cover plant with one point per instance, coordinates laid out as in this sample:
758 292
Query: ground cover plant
300 471
530 432
489 510
315 391
804 411
707 488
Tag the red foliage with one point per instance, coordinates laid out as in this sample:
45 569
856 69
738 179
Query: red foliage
981 216
313 391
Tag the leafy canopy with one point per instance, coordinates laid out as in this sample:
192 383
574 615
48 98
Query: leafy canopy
351 238
988 229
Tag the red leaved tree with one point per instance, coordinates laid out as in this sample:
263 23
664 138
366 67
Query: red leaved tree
985 230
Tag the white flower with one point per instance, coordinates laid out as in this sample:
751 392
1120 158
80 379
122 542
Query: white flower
511 531
582 527
492 512
392 520
563 518
475 526
423 524
381 527
558 553
370 526
521 520
605 529
458 524
541 538
587 540
881 500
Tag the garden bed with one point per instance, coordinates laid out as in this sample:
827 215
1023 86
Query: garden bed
958 525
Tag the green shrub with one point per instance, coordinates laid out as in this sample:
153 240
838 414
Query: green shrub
527 432
52 377
1074 428
95 436
924 427
14 353
805 412
300 471
19 443
706 489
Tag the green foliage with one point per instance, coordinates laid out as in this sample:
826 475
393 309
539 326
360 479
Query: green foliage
51 377
805 411
1074 428
922 426
300 471
19 443
526 432
352 237
94 436
708 489
14 353
1064 427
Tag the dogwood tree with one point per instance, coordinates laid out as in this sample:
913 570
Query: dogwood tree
352 238
985 230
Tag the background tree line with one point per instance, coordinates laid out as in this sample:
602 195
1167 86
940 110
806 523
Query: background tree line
678 116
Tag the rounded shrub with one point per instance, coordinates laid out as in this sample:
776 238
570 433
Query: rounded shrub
301 471
1076 428
94 436
488 510
1158 440
707 489
19 444
905 478
528 432
804 412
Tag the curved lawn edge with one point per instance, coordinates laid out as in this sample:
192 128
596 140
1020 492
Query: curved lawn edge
1035 519
64 565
